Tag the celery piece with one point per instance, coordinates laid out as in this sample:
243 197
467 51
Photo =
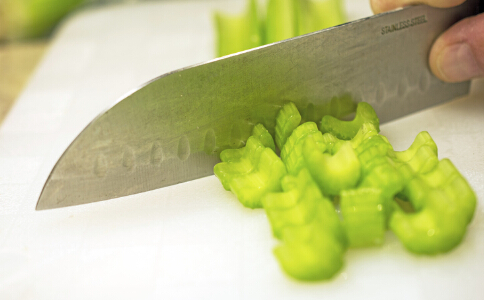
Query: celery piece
444 205
21 19
333 173
313 239
295 205
378 169
319 259
280 21
250 172
291 153
348 129
342 106
313 15
287 119
436 228
238 32
260 132
326 219
363 216
422 155
331 142
366 131
445 176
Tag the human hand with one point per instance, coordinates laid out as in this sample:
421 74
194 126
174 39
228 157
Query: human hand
457 54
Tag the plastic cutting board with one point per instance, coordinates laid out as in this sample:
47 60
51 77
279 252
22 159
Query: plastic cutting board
192 240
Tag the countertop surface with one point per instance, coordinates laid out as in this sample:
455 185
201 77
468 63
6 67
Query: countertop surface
191 240
18 61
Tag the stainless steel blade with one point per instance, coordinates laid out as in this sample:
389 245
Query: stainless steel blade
172 129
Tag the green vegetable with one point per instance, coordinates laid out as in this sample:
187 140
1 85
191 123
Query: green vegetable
250 172
313 15
288 118
279 20
291 153
333 173
444 204
378 170
295 205
347 129
421 156
238 32
309 227
20 19
427 203
364 217
263 135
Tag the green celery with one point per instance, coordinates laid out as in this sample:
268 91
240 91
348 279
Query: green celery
288 118
250 172
291 153
314 15
21 19
260 132
366 131
333 173
280 23
238 32
309 227
363 215
444 205
320 258
346 130
295 205
378 169
422 155
445 176
325 219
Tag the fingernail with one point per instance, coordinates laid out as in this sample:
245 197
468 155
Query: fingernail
458 63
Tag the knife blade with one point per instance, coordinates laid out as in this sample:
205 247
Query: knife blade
172 128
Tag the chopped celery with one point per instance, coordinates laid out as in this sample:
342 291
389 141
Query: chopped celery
444 205
291 153
260 132
250 172
295 205
427 203
348 129
287 119
363 216
313 15
333 173
319 259
309 227
421 156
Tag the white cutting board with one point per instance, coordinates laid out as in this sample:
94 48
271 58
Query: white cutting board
192 240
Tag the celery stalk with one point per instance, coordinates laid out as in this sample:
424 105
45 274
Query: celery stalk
32 18
238 32
314 15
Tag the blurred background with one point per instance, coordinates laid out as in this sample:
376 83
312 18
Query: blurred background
26 27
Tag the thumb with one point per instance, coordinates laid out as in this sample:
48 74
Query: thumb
458 54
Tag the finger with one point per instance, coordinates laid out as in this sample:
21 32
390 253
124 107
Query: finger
379 6
458 54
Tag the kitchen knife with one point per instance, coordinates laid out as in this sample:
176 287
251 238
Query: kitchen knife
172 128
